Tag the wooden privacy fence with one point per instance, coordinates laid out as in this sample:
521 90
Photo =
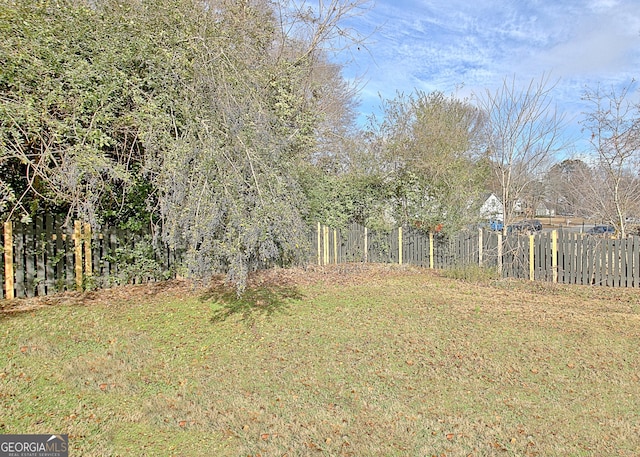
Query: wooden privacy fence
402 245
45 256
556 256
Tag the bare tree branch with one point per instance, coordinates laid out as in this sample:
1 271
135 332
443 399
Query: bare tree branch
614 125
524 133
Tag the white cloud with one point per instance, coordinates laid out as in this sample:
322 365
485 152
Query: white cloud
602 5
601 46
441 44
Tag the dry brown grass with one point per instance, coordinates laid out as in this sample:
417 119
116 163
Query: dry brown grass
352 360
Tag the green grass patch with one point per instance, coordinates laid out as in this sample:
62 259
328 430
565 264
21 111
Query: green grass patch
472 273
379 361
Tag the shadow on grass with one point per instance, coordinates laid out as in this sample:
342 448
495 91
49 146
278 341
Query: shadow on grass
264 300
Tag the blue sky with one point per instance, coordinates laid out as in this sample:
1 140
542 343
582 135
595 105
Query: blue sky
467 46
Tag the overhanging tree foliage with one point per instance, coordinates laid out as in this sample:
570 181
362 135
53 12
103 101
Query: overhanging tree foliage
229 190
201 115
68 135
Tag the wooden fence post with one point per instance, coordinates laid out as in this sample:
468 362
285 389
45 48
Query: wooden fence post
8 261
399 245
431 263
335 246
366 244
532 271
77 239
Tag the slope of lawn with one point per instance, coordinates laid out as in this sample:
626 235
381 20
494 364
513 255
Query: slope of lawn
346 361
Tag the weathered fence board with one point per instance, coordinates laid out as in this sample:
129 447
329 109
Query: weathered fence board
635 262
18 263
49 254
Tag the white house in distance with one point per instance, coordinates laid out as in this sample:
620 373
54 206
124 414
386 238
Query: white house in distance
492 208
543 210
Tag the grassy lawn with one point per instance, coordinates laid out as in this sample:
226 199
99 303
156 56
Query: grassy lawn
345 361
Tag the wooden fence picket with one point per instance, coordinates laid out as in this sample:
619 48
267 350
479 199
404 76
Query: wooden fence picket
635 261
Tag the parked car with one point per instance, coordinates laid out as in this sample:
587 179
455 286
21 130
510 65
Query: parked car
535 224
526 226
601 230
496 225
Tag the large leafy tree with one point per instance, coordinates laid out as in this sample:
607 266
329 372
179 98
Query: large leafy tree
226 192
71 88
229 186
204 111
431 145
